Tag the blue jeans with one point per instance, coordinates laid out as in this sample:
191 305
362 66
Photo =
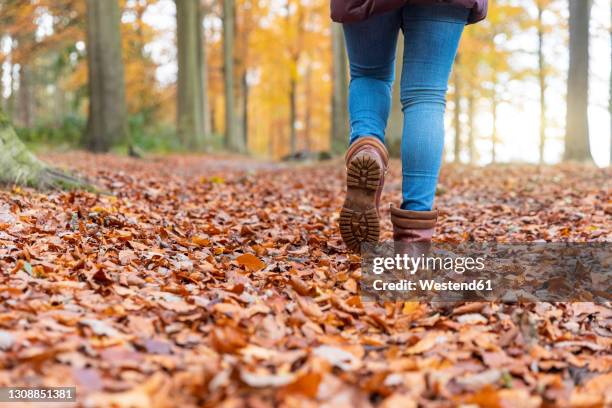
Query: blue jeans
431 38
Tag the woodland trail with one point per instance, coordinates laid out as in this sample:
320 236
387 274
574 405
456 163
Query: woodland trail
222 281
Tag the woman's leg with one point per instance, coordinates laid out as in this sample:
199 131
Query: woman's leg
431 35
371 47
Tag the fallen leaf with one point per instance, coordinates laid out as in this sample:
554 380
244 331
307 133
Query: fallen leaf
251 262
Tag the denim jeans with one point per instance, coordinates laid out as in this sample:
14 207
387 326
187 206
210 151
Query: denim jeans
431 38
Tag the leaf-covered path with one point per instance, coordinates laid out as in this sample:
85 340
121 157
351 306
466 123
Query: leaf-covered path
218 281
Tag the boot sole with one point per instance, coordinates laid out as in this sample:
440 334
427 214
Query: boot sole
359 221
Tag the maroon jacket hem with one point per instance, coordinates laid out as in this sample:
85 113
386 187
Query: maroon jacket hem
350 11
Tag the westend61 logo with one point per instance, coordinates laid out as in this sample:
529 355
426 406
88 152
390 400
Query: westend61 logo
547 272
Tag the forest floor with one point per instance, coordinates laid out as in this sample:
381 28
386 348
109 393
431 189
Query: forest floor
220 281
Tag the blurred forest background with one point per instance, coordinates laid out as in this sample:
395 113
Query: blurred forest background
269 78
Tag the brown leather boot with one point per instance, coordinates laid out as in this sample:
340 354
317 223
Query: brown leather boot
366 165
413 230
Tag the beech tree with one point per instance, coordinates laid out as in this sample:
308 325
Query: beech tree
339 119
191 66
541 5
233 140
107 121
457 108
395 127
577 145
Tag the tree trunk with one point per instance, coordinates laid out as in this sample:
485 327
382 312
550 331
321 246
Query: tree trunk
542 82
59 96
241 31
472 129
233 140
457 109
190 87
206 106
107 121
308 110
19 166
245 110
2 100
293 113
610 100
494 131
577 126
10 103
294 51
395 129
25 97
340 121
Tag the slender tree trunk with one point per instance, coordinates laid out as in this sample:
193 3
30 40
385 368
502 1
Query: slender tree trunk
10 103
610 100
206 107
293 111
472 130
26 96
339 120
494 132
457 109
577 145
107 121
60 104
2 99
395 129
214 126
241 31
308 112
233 140
542 82
190 89
245 110
295 51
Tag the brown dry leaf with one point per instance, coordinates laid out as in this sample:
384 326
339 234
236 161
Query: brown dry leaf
306 384
410 308
426 343
126 256
337 357
488 397
265 380
200 241
399 400
100 328
310 307
301 287
148 395
228 339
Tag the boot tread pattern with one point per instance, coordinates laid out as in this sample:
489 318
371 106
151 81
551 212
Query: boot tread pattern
363 172
359 220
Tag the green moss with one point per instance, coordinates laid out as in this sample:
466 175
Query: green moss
4 121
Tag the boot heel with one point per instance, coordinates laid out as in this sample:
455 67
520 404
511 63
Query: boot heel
363 172
357 227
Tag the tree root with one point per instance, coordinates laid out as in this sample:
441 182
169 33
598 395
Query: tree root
18 166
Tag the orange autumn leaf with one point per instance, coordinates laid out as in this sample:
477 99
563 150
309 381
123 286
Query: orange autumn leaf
307 384
200 241
251 262
228 339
